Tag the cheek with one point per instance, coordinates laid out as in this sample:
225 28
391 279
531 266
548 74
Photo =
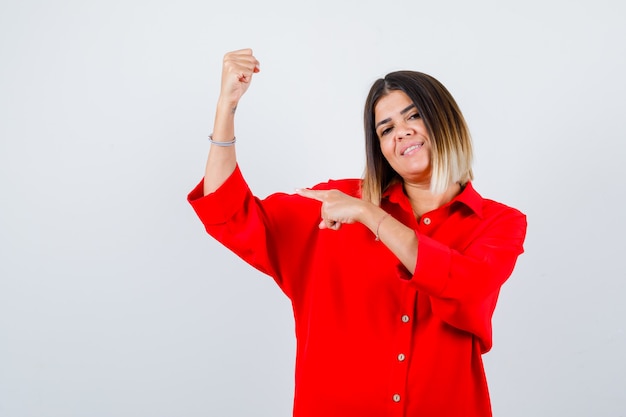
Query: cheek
387 148
390 156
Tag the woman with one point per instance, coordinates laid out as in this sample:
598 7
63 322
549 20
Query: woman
394 289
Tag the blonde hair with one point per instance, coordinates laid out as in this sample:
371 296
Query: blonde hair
451 143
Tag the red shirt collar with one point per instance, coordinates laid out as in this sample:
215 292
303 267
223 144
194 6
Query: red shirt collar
468 197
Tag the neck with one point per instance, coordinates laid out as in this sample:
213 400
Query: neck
423 200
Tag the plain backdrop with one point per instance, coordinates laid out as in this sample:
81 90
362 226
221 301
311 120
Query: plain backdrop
114 301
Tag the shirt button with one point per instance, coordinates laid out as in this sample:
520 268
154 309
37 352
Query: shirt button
401 357
405 319
426 221
396 398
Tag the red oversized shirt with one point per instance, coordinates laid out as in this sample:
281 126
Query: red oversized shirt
372 339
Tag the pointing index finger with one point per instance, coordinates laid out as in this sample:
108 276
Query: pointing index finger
312 194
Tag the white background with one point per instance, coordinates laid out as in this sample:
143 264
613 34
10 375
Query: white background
114 301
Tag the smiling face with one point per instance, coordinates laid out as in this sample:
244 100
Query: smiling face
404 139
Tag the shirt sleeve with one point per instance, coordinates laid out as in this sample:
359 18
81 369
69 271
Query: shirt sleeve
464 285
266 233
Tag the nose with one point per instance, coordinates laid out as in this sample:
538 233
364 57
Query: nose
403 131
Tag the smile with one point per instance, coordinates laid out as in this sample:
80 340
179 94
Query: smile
411 149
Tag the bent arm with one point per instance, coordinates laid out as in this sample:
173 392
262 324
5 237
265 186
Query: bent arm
339 208
463 285
237 70
462 282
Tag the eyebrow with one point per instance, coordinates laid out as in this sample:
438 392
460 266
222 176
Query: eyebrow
388 119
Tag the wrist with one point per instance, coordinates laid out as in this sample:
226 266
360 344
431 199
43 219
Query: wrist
370 214
380 221
373 217
227 105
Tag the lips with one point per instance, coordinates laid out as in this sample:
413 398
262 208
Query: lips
411 148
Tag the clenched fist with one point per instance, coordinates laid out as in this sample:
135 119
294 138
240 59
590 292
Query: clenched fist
237 70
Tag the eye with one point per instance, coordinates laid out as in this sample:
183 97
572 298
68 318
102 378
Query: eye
414 116
385 131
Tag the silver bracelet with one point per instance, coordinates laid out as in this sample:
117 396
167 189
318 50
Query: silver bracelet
223 144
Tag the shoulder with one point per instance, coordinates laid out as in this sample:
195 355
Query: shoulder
485 207
490 212
350 186
495 208
512 219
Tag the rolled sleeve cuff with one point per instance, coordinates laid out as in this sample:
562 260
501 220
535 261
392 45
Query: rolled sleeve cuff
219 206
432 267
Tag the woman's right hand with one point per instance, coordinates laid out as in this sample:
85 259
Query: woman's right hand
237 70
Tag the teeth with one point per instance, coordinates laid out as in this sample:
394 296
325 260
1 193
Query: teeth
411 148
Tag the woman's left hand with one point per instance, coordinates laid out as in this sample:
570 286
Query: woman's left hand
337 208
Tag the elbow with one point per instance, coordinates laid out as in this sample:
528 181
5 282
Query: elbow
473 317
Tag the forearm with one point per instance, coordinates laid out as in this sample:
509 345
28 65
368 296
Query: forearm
400 239
222 160
237 71
339 208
